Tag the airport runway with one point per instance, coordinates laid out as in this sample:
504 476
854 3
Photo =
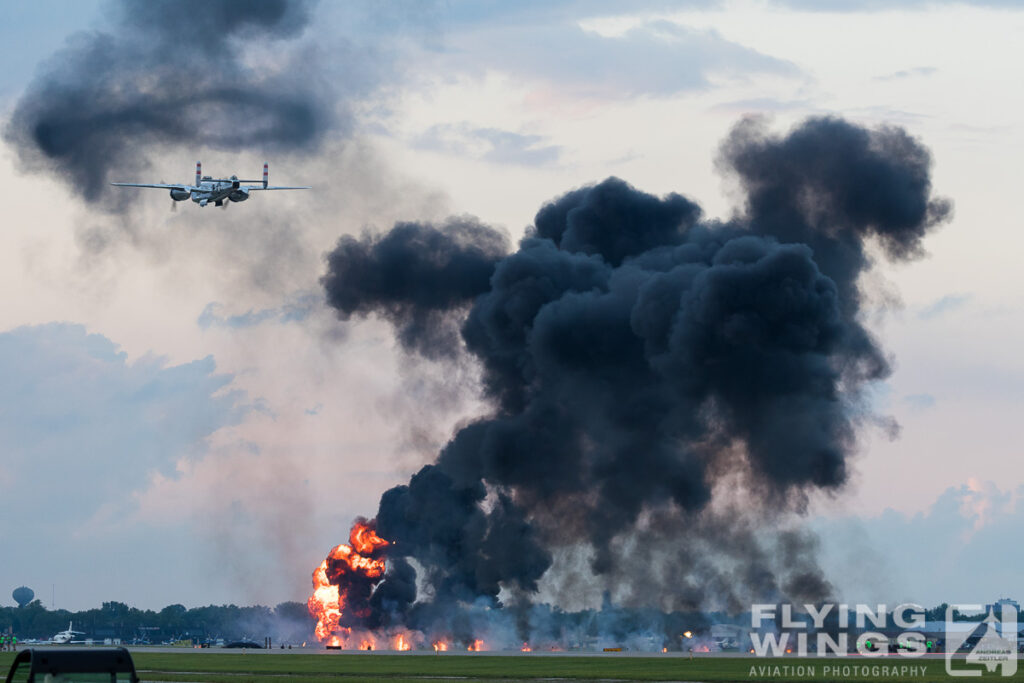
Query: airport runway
497 653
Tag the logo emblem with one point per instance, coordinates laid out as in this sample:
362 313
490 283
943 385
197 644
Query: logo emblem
985 647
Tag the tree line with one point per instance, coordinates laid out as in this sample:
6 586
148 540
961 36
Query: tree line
288 622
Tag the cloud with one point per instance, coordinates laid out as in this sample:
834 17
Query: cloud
428 20
904 74
488 144
765 104
885 5
946 304
82 427
536 11
297 309
657 58
919 401
961 549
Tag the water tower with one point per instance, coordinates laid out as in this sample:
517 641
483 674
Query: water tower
23 595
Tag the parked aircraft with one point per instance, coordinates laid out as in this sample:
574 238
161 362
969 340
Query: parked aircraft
67 637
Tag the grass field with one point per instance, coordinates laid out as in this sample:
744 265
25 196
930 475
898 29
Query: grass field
397 668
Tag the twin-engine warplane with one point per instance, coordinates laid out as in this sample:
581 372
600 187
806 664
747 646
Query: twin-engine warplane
220 191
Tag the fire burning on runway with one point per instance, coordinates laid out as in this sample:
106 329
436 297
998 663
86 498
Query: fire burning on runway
343 583
342 587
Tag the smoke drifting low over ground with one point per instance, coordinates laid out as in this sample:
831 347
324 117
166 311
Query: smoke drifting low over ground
664 390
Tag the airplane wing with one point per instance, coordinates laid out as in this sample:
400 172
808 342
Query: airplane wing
276 187
158 186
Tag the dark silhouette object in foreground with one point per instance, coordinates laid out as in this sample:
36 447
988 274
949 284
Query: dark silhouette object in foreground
110 665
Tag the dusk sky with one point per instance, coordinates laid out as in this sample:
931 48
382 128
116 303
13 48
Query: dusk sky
183 419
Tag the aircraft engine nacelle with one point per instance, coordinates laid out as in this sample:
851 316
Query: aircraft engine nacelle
180 195
239 195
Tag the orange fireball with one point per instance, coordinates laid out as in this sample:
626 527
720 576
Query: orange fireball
344 580
364 539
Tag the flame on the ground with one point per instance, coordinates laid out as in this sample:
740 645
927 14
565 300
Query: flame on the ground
525 648
476 646
341 566
366 644
401 643
324 604
440 646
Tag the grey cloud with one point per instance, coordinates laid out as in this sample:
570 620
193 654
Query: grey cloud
959 549
884 5
83 428
946 304
657 58
919 401
907 73
429 19
532 11
489 144
296 310
765 104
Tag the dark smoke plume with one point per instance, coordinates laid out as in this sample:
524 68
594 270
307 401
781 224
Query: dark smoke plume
639 362
170 73
416 276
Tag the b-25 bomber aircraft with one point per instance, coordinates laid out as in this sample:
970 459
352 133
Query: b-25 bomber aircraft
220 191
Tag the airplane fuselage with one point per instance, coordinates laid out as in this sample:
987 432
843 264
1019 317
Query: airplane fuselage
213 191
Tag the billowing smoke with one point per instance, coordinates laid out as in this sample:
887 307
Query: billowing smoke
197 74
651 374
417 276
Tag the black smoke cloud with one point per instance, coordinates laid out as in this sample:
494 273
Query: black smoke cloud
831 185
196 73
638 359
417 276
